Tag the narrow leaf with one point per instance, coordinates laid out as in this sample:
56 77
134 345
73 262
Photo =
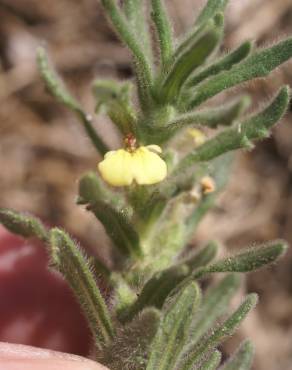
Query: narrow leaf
190 38
118 227
53 83
23 224
251 259
69 260
202 257
254 128
92 189
242 359
194 353
214 304
124 295
219 169
173 330
223 64
130 346
142 66
135 13
57 89
191 59
199 212
110 209
212 362
115 99
163 29
156 290
259 64
210 10
212 117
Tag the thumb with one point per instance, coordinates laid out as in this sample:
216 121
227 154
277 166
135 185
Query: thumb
19 357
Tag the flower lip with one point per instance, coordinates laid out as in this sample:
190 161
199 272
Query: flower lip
142 165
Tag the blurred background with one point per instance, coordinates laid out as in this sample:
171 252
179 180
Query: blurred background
43 149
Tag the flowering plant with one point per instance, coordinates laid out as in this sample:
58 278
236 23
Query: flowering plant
151 193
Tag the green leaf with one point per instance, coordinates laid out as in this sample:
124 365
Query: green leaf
219 170
212 362
199 212
190 38
259 64
174 328
92 189
202 257
212 117
114 98
135 13
124 296
111 211
242 359
215 303
223 64
70 261
253 128
156 290
195 352
23 224
58 90
190 59
142 65
53 83
164 31
131 343
249 260
118 227
210 10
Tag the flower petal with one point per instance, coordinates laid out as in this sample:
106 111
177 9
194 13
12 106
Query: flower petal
154 148
116 168
148 168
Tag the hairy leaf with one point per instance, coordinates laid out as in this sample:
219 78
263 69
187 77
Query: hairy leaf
223 64
202 257
156 289
251 259
57 89
190 59
215 303
173 330
130 346
212 362
210 10
118 227
242 359
70 261
195 352
212 117
253 128
23 224
164 30
259 64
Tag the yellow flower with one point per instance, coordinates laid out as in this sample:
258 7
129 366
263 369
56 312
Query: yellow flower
142 165
198 136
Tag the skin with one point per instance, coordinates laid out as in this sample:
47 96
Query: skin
37 308
20 357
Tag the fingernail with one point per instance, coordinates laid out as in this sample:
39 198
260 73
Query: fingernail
20 357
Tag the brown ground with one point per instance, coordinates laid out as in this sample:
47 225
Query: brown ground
43 150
